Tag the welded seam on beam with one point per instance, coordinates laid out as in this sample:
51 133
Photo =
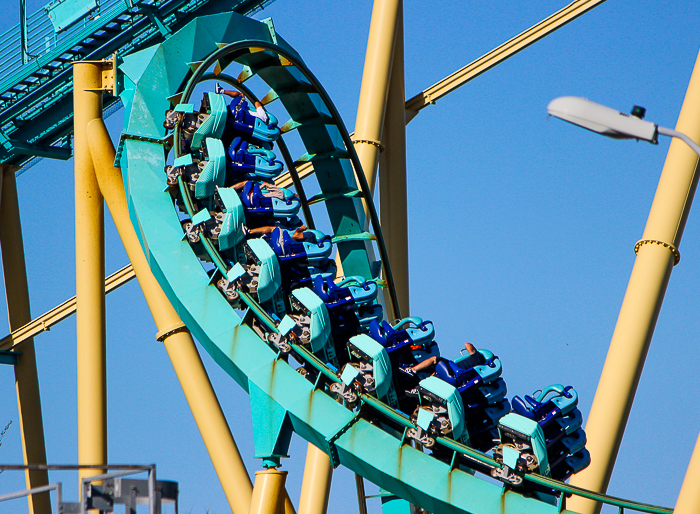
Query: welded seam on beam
60 312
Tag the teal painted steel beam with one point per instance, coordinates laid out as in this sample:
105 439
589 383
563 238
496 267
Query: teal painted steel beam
51 152
9 357
37 105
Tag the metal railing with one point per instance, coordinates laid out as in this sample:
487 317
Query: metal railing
125 470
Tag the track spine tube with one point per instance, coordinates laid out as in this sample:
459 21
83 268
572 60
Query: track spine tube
179 345
641 305
393 201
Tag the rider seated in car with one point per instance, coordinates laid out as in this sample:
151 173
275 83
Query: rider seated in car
475 359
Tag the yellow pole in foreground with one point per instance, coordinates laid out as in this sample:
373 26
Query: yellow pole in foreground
375 85
316 486
26 378
689 498
268 493
393 204
656 254
172 332
90 275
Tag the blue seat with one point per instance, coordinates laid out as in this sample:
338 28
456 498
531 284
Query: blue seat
554 410
369 313
412 331
570 465
363 291
316 247
479 385
547 405
242 121
520 407
261 200
252 162
302 261
355 290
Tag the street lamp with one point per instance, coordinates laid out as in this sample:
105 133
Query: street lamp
609 122
657 253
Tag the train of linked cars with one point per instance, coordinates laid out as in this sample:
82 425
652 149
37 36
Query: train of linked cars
232 213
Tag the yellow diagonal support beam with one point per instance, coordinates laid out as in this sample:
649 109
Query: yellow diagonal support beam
61 312
475 68
498 55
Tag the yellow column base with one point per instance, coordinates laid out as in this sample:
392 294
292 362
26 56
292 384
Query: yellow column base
268 492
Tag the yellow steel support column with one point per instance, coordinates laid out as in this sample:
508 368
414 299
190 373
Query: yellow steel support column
177 340
26 378
90 274
375 85
656 254
268 493
689 498
288 507
316 486
392 174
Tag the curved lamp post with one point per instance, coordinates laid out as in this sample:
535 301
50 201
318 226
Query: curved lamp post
609 122
657 253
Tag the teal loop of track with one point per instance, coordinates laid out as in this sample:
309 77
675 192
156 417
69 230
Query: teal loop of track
282 399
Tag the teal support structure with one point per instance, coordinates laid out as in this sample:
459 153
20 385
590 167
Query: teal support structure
36 88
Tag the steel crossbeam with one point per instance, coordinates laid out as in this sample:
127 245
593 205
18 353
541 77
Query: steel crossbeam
44 322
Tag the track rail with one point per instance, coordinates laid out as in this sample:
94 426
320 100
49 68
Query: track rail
371 440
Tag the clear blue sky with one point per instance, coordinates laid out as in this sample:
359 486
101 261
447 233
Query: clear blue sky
521 237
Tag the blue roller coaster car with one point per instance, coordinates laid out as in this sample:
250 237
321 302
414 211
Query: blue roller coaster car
549 404
554 409
196 126
439 413
462 377
406 334
311 325
368 370
231 233
259 276
315 247
522 449
355 288
241 121
213 174
302 259
267 200
251 161
351 303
